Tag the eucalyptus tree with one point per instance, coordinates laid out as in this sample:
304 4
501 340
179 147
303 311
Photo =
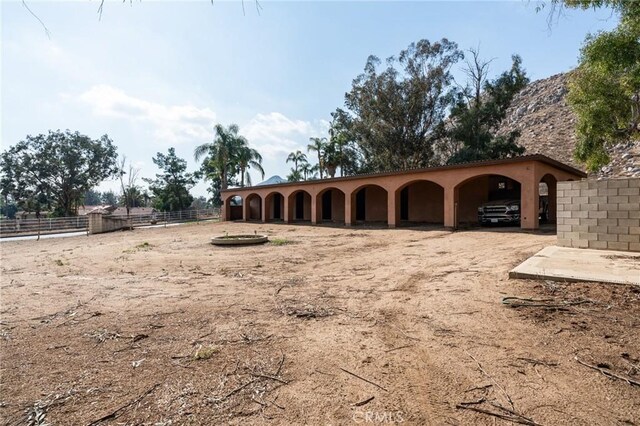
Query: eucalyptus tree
397 113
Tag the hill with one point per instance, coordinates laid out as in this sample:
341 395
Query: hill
546 122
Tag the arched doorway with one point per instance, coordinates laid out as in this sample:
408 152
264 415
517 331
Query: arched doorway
233 207
488 200
420 202
330 206
253 207
274 207
369 205
300 206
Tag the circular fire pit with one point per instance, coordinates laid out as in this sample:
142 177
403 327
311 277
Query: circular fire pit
239 240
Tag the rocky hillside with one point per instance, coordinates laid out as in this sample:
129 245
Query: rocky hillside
546 123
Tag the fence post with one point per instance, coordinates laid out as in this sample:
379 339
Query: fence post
50 228
39 227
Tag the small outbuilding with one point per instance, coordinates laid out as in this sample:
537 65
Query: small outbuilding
446 195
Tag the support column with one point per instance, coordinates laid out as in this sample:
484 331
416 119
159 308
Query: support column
286 217
391 209
224 210
263 210
347 209
314 210
450 207
246 209
529 198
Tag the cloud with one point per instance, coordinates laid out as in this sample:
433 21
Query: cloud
172 124
274 133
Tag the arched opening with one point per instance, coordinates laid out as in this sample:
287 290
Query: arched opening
253 207
330 206
488 200
274 207
369 205
548 199
300 206
233 207
420 202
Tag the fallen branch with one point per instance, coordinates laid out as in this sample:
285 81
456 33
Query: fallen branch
482 370
362 378
609 374
538 362
366 401
519 302
510 416
266 376
114 414
398 348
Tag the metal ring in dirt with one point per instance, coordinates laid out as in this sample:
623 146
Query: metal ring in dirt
239 240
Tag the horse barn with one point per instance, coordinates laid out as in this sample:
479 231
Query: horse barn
448 196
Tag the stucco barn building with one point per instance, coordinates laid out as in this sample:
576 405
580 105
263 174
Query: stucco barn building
447 195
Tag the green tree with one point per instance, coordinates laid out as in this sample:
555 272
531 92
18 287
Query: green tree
318 145
220 154
247 158
604 90
479 108
397 114
228 155
171 187
56 169
308 171
109 198
294 176
92 198
350 158
297 158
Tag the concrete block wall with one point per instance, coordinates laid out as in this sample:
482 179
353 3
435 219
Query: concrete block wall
599 214
99 223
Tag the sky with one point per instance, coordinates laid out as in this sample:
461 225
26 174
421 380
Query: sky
159 74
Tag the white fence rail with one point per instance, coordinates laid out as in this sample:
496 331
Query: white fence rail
13 227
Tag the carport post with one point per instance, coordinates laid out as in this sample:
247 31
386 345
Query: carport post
529 196
285 213
347 209
223 210
391 209
314 209
449 207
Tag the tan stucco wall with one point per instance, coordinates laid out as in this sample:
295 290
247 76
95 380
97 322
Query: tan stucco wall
337 205
375 204
527 171
426 202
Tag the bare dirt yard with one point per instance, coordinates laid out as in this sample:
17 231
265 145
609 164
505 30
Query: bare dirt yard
326 326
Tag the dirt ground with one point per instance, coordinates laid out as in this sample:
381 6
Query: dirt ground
326 326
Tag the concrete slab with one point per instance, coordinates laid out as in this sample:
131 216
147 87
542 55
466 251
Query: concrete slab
571 264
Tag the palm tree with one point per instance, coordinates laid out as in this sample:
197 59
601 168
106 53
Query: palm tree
294 176
307 170
222 152
296 157
247 158
318 145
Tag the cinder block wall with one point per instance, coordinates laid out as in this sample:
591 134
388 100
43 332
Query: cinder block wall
599 214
